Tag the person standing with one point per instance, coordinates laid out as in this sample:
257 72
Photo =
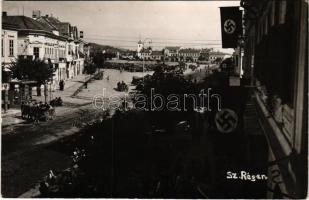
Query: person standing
61 85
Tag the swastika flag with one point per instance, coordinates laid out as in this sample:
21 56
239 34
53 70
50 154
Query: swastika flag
231 26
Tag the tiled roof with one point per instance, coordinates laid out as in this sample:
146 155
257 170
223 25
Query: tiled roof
217 53
23 22
6 24
205 50
172 48
189 51
156 53
53 20
49 21
146 50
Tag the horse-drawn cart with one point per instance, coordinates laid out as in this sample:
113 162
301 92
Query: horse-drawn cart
37 112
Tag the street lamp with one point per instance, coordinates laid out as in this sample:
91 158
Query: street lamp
144 41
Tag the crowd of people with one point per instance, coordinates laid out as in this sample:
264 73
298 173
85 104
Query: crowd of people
122 86
56 102
37 111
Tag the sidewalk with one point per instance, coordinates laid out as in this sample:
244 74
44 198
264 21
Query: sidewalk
13 116
70 87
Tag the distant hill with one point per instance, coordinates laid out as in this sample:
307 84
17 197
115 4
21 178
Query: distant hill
107 48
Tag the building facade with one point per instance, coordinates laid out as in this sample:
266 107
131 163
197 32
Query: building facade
217 55
8 43
145 54
171 53
8 56
157 55
189 54
38 41
45 38
73 54
276 62
140 47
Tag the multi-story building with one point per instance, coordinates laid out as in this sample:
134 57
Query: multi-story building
276 62
145 53
8 42
39 41
157 55
8 56
74 56
171 53
189 54
217 55
47 38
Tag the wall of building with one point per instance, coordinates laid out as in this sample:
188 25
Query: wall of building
6 36
275 59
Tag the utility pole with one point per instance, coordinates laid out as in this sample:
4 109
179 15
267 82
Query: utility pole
45 92
144 41
50 92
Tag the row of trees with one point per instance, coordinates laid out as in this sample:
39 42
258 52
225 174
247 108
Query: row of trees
41 71
165 83
35 70
97 60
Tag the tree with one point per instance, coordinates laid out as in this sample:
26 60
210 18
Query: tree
218 60
189 59
34 70
165 83
202 57
90 68
98 59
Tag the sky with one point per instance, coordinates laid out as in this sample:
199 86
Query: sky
194 24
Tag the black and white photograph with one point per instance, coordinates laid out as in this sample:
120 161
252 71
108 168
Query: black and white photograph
154 99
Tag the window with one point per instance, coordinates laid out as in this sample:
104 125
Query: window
36 52
11 48
2 52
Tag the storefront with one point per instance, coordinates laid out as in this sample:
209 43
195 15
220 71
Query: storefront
15 92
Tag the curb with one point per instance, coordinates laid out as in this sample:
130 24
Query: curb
87 81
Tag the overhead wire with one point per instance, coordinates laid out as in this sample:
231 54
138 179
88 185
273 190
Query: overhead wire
154 43
156 38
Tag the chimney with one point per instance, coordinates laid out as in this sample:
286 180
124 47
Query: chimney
36 14
4 14
46 15
81 34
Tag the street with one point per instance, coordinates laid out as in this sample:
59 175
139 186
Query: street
154 99
24 145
